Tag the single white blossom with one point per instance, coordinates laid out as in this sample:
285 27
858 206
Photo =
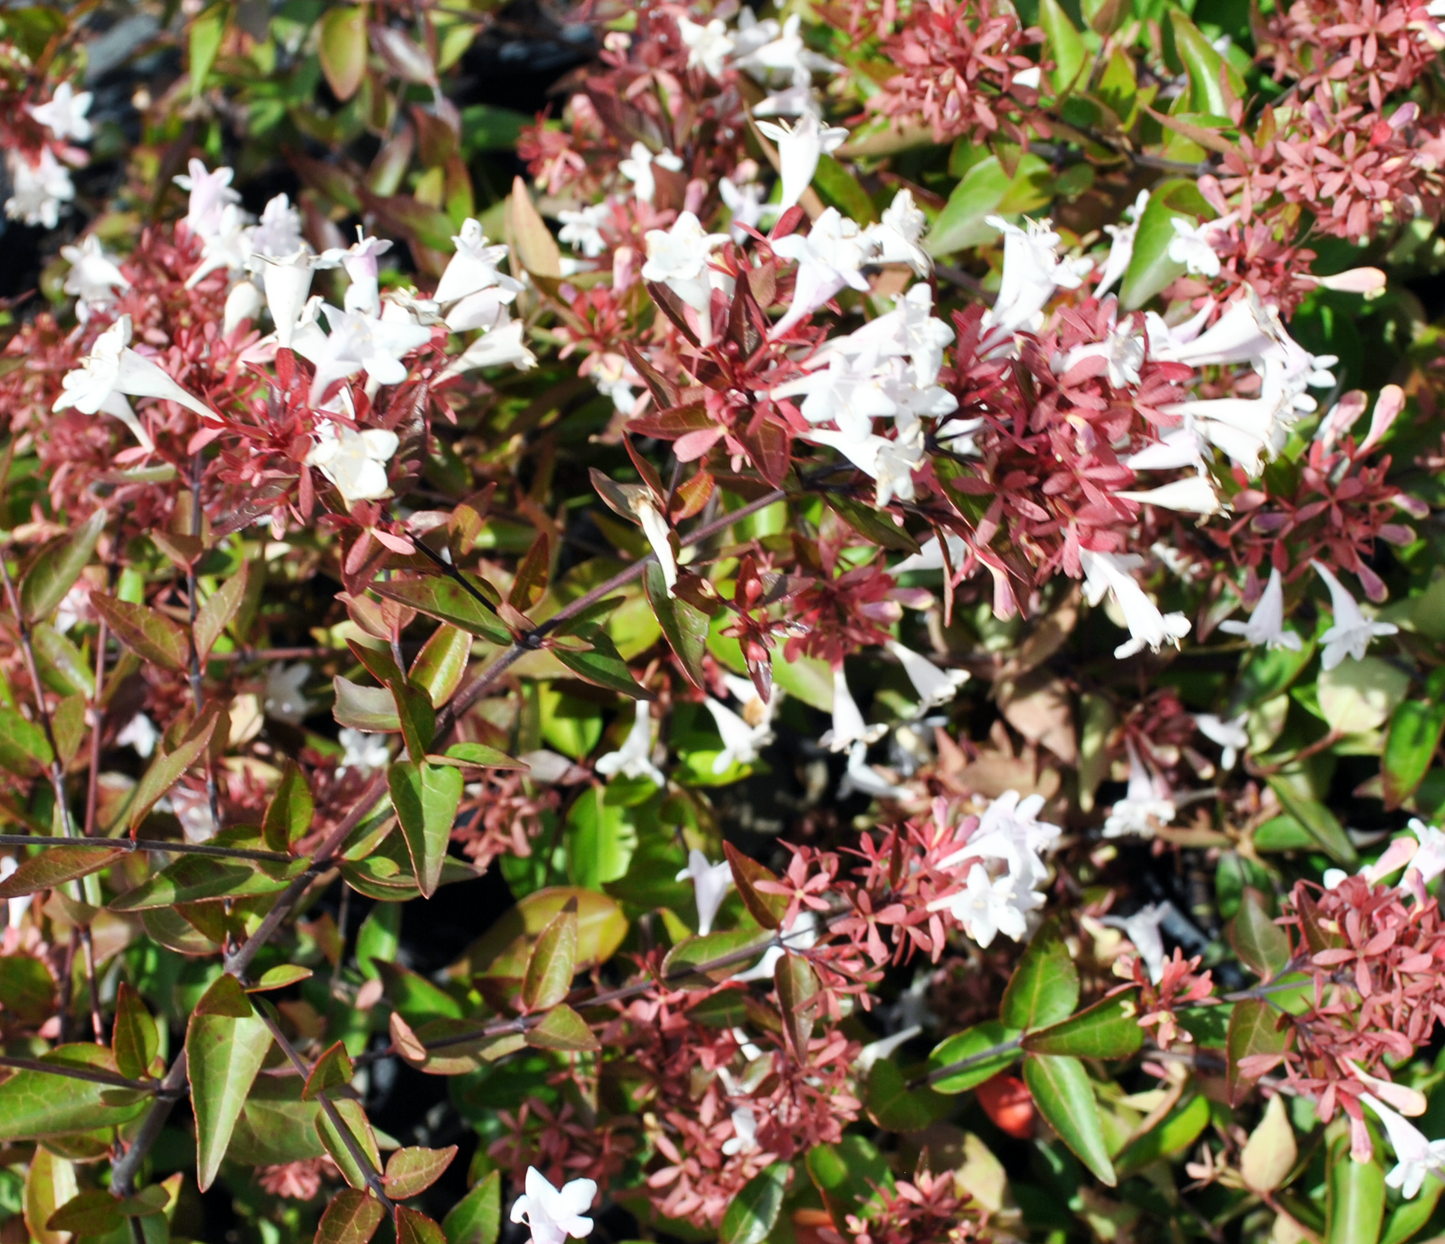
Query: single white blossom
934 686
362 752
710 885
745 1126
678 257
1192 247
1352 632
39 190
898 232
363 295
140 733
772 53
210 193
863 778
354 461
800 147
473 268
986 907
1194 494
287 281
244 302
831 256
360 341
284 697
742 743
638 169
1121 249
1148 627
1415 1155
278 232
582 229
634 758
891 462
1032 271
93 278
1146 801
227 246
497 347
1429 859
1230 735
848 724
1266 623
554 1214
707 46
64 114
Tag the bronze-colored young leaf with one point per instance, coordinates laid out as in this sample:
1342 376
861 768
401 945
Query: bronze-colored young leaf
416 1228
54 866
412 1171
1262 946
54 570
147 632
220 610
767 909
288 815
563 1029
352 1217
332 1070
226 1043
797 986
134 1036
553 962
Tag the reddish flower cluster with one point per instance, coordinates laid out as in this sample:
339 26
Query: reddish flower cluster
928 1208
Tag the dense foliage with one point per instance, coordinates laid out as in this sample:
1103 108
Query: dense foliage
836 638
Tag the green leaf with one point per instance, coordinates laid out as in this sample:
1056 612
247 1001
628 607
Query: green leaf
207 30
165 771
36 1105
147 632
601 665
1066 47
195 879
372 709
973 1043
412 996
67 724
426 798
694 952
1318 819
871 524
896 1107
477 1217
751 1215
1150 268
415 1228
27 990
1108 1029
226 1043
1355 1197
563 1029
503 950
414 1170
1410 743
1064 1096
1262 946
961 223
1044 988
837 187
684 624
849 1176
439 666
767 909
352 1217
1203 65
56 568
477 755
288 815
218 611
1254 1028
49 1184
135 1037
279 977
1267 673
354 1119
63 667
1179 1129
54 866
276 1126
342 49
332 1070
1409 1218
797 987
24 749
1358 696
91 1212
553 963
448 601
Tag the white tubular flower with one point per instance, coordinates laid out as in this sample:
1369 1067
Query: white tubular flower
848 395
863 778
848 725
498 347
898 232
363 295
278 232
1032 271
782 55
39 190
800 146
64 114
473 268
986 907
638 169
1191 247
244 302
93 278
830 257
287 282
634 758
1230 735
1193 494
228 246
354 461
934 686
1429 859
930 555
744 201
1146 801
140 733
710 885
1415 1156
209 194
1148 627
744 1121
284 698
1121 249
708 47
741 742
362 342
1352 632
802 936
678 257
1142 929
1122 351
1179 447
659 534
1010 830
362 752
554 1215
1266 623
111 372
890 462
582 229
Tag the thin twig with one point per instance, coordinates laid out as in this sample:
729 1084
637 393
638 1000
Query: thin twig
965 1064
166 845
108 1078
97 721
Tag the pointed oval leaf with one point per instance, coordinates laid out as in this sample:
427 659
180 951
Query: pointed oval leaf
1108 1029
288 815
332 1070
352 1217
354 1119
226 1043
54 866
371 709
1262 946
1414 734
552 964
1064 1096
477 1217
563 1029
439 666
684 624
219 610
448 601
767 909
147 632
1269 1154
1355 1197
797 986
165 771
36 1105
536 247
426 798
135 1037
1254 1029
342 49
893 1105
49 1184
414 1170
601 664
56 568
24 749
752 1214
1044 988
979 1049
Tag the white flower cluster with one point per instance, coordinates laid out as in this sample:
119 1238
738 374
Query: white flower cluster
41 189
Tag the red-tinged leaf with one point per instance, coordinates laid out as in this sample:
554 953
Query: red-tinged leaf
415 1228
684 624
52 572
226 1043
768 444
797 986
692 496
767 909
675 309
166 771
55 866
352 1217
1262 946
354 1119
531 579
216 614
288 815
442 662
664 392
426 798
419 224
341 48
148 633
536 247
553 962
135 1037
449 601
564 1030
410 1171
674 422
332 1070
1257 1032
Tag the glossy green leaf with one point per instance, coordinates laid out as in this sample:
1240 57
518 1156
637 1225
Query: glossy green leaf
24 749
694 954
55 569
850 1176
1064 1096
36 1105
1318 819
426 798
49 1183
134 1037
1254 1029
1355 1197
684 624
1205 66
342 48
226 1043
503 949
352 1217
414 997
1410 743
751 1215
1066 47
279 977
1267 673
553 963
27 990
1408 1218
563 1029
601 664
893 1105
837 187
1262 946
477 1217
353 1119
1174 1133
978 1047
1044 988
288 815
197 878
371 709
413 1170
332 1070
1150 268
1108 1029
416 1228
477 755
276 1126
89 1212
54 866
439 666
448 601
63 667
